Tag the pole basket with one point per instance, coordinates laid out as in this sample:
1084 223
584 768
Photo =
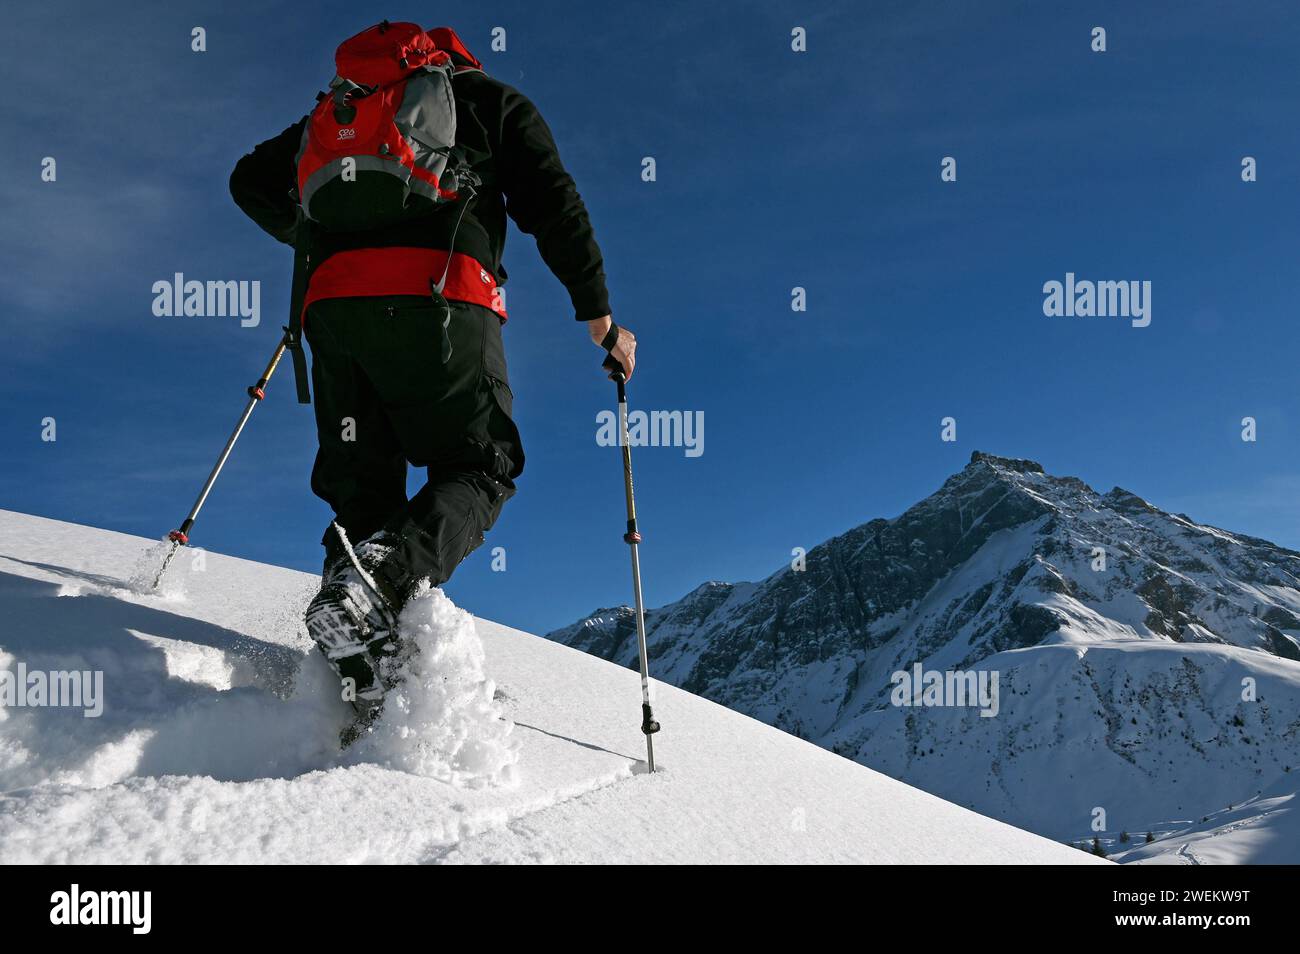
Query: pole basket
649 725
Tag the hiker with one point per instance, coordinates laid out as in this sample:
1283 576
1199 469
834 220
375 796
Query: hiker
399 271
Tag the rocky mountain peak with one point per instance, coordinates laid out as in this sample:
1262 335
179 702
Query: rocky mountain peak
1017 464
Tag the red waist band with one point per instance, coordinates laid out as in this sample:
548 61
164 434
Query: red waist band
368 272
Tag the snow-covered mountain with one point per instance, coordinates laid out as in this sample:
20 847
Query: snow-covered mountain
217 740
1147 666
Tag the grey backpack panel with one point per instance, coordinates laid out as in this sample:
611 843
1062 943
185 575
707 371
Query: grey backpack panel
426 119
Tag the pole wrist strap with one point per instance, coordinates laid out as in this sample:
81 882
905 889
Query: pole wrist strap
611 337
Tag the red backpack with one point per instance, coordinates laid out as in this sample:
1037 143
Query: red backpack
379 147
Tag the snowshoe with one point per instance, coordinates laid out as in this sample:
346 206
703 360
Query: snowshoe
360 725
353 621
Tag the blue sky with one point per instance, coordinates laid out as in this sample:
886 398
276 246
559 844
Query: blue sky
775 169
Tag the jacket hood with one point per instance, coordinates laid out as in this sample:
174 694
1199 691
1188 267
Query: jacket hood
445 39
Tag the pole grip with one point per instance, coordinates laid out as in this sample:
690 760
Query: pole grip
611 365
258 391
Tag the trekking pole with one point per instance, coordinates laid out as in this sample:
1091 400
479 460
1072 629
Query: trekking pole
181 535
632 538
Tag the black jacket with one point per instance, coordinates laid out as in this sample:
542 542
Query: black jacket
508 144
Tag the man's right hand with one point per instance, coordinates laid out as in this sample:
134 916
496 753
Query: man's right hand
624 350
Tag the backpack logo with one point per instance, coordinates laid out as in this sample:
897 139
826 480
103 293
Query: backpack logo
347 132
484 276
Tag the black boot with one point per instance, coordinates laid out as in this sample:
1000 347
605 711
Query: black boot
353 621
335 556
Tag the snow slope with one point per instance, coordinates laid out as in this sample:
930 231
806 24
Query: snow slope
216 743
1264 829
1148 732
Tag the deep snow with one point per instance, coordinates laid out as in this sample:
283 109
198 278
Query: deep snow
217 741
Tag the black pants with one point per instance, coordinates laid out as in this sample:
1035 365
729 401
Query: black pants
385 398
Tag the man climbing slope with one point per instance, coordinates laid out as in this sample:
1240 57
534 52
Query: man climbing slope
395 192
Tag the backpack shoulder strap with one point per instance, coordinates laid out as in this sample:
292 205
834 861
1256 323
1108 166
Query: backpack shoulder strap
298 295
